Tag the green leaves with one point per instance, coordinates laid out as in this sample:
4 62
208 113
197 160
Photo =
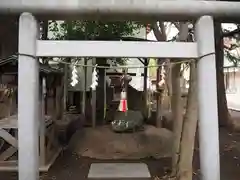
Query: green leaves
90 30
82 30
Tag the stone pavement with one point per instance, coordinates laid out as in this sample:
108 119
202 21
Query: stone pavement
233 101
119 170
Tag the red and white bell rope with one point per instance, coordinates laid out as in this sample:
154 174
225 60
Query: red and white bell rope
123 107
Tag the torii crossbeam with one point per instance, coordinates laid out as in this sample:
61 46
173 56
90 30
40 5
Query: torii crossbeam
124 9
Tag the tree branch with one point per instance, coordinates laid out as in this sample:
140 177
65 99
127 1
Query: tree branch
163 30
231 33
158 34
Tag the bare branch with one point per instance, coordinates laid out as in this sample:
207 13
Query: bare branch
231 33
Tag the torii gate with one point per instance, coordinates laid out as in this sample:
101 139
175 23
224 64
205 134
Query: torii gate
203 50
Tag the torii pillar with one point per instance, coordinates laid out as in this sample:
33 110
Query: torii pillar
207 100
28 99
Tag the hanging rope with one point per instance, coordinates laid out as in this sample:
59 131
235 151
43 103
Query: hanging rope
15 56
104 67
126 66
123 107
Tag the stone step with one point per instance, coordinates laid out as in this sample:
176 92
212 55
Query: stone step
119 171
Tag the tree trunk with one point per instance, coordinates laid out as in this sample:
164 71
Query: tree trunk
177 110
176 102
223 115
159 97
160 34
184 167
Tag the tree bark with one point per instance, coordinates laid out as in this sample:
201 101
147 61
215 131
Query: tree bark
184 167
177 110
176 102
160 34
223 115
159 98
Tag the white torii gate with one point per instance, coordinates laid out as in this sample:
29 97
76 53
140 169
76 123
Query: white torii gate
30 48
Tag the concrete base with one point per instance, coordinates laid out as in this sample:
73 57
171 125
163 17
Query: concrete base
119 171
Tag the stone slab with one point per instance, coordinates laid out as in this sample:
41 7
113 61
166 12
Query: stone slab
118 170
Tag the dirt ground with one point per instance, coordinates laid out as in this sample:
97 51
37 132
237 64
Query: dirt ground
72 167
137 145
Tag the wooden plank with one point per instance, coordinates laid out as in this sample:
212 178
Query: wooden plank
51 140
9 165
12 166
84 81
53 156
119 74
7 153
42 129
9 122
9 138
65 86
58 102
